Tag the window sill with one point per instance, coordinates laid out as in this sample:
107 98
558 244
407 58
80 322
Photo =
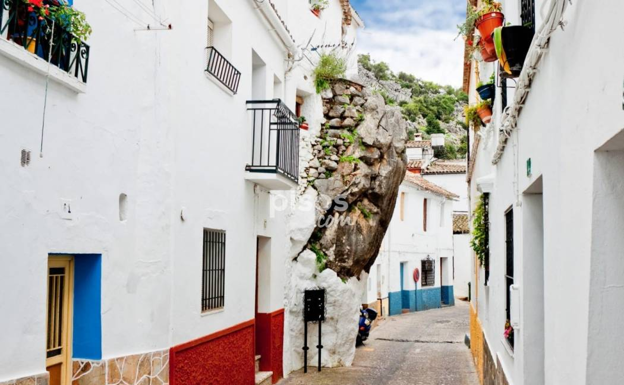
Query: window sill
212 312
21 56
507 347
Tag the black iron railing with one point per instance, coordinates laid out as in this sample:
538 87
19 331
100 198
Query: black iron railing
275 139
222 70
36 35
527 13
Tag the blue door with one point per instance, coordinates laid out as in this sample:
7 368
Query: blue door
404 291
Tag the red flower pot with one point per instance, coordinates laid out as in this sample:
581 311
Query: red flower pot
304 126
489 22
485 113
487 55
316 12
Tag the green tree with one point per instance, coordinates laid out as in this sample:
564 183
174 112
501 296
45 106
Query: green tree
433 126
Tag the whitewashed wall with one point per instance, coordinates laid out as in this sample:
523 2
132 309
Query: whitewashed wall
572 110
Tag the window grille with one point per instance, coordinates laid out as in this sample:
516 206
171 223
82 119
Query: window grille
428 272
213 271
509 273
527 13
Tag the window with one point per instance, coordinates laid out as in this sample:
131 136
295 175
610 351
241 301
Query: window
527 13
402 206
509 273
442 206
428 272
425 206
213 271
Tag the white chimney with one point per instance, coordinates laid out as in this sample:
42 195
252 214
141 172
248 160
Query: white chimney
437 140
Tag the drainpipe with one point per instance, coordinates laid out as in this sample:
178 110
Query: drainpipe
269 13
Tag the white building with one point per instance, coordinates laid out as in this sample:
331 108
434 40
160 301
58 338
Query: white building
140 240
451 175
552 167
420 238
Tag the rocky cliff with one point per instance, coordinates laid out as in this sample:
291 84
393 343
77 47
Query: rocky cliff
352 176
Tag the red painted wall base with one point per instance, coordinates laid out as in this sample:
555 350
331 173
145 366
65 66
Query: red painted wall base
270 342
225 357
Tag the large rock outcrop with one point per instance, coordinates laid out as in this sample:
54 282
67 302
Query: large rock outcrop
355 167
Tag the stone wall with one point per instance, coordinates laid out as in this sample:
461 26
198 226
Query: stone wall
140 369
41 379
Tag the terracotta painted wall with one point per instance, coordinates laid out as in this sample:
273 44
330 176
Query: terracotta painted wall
476 342
270 342
226 357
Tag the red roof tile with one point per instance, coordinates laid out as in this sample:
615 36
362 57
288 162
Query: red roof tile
441 167
419 144
423 184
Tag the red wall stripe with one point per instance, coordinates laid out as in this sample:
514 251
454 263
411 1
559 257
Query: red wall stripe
270 342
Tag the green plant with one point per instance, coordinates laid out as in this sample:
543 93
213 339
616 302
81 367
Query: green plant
64 16
365 212
301 119
328 174
473 14
319 5
349 159
480 232
327 151
329 67
321 258
472 117
361 117
348 136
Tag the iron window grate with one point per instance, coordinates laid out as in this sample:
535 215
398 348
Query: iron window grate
222 70
428 273
527 13
213 271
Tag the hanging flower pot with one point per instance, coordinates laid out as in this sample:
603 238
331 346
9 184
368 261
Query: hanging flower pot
512 46
487 91
489 22
316 12
485 112
303 124
487 56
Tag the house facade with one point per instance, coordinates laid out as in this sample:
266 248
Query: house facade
546 174
139 169
414 269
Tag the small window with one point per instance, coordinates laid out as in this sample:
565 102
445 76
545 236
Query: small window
509 272
213 271
425 207
402 203
428 272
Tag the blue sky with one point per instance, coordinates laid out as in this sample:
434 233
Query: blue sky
415 36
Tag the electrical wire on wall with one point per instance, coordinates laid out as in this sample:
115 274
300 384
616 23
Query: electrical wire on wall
45 97
138 19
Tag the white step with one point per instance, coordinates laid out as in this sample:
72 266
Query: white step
258 363
264 378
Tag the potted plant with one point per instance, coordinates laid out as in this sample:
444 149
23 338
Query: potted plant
484 110
303 124
318 6
486 54
472 117
512 46
490 18
487 91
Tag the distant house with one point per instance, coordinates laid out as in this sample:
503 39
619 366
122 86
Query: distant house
419 242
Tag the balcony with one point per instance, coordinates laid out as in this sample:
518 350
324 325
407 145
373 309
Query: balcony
37 35
222 70
275 151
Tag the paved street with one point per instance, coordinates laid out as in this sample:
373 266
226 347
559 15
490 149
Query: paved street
423 348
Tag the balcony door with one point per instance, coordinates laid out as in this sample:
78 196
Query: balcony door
59 313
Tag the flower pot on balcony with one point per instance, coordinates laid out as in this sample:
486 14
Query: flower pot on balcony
512 46
489 22
485 113
487 91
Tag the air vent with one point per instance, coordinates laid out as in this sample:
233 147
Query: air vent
25 159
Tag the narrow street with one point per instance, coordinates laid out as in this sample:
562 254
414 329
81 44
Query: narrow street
423 348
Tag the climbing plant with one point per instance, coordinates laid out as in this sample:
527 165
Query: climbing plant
480 232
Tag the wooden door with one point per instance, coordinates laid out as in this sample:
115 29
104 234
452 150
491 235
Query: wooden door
59 315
